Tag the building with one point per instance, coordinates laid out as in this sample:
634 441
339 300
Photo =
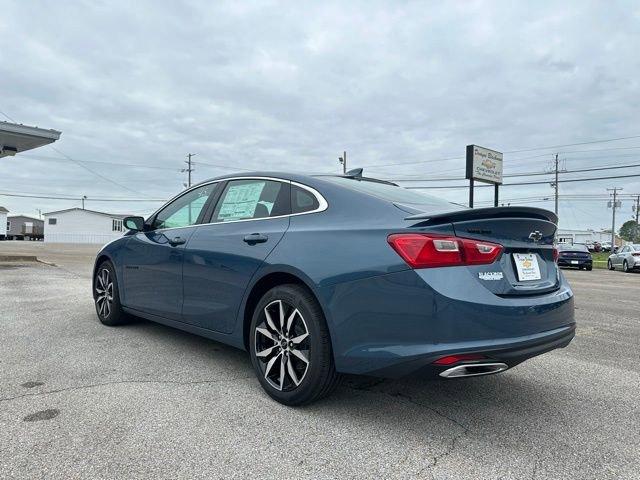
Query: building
76 225
16 138
565 235
23 227
3 223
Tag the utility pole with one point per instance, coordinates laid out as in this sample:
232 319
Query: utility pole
637 209
556 184
614 205
189 168
39 213
343 161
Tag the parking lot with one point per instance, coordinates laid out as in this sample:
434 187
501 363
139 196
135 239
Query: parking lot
80 400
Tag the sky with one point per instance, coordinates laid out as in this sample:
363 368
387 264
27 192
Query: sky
403 87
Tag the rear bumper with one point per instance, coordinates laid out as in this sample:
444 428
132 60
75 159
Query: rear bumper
511 353
581 262
398 324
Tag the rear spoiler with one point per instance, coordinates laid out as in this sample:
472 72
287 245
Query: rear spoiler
491 212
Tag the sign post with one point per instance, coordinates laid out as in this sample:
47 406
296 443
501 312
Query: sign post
484 165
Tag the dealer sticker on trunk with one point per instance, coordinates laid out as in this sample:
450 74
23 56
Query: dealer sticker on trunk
527 266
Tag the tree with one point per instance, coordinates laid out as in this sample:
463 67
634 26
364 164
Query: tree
630 231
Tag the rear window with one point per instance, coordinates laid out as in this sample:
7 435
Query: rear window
576 247
303 200
396 194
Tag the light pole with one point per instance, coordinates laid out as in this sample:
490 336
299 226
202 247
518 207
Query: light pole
343 161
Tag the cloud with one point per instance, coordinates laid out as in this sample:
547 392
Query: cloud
289 86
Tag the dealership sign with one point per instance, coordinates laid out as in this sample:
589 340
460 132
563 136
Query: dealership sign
484 165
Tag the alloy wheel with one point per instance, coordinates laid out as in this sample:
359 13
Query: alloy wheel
104 292
282 345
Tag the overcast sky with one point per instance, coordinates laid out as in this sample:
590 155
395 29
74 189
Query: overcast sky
288 86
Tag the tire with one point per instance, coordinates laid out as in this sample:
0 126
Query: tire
625 267
580 268
309 370
589 268
107 300
610 265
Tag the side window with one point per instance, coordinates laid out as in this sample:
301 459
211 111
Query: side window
184 210
250 199
302 200
53 221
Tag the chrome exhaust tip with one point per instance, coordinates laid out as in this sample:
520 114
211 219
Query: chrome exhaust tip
473 370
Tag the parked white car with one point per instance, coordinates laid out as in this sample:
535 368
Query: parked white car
627 258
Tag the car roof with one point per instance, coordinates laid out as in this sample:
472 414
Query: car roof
311 180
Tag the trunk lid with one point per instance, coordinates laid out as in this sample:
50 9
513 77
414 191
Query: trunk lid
526 266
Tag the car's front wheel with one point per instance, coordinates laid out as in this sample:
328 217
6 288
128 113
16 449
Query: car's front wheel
106 296
625 267
610 265
290 346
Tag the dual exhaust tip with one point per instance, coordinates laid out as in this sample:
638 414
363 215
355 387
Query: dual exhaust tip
473 370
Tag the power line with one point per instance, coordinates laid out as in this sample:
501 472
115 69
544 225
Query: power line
116 164
136 165
94 199
529 183
107 179
573 144
595 197
8 117
523 174
91 199
508 152
519 161
223 166
99 175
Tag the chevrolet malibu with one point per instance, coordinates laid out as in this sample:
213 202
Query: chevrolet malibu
318 276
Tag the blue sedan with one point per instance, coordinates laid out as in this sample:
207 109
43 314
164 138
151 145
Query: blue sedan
317 276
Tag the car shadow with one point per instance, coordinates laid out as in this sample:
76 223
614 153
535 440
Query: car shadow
480 402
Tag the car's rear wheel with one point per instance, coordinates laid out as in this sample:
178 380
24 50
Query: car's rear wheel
610 265
290 346
106 296
625 267
589 268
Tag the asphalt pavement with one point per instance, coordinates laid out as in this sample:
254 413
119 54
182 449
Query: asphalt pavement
81 400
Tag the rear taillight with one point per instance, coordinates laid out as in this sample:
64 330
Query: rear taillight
636 254
426 250
461 357
555 254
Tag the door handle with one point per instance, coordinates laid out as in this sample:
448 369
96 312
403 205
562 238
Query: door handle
175 241
255 238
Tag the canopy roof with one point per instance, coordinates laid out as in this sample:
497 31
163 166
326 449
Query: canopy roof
16 138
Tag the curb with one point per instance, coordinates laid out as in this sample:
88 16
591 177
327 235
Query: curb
18 258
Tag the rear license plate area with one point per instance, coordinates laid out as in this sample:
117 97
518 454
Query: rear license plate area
527 266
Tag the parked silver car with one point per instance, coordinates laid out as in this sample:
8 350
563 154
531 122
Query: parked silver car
627 258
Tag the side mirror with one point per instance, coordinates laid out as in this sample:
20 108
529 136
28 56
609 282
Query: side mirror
134 223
